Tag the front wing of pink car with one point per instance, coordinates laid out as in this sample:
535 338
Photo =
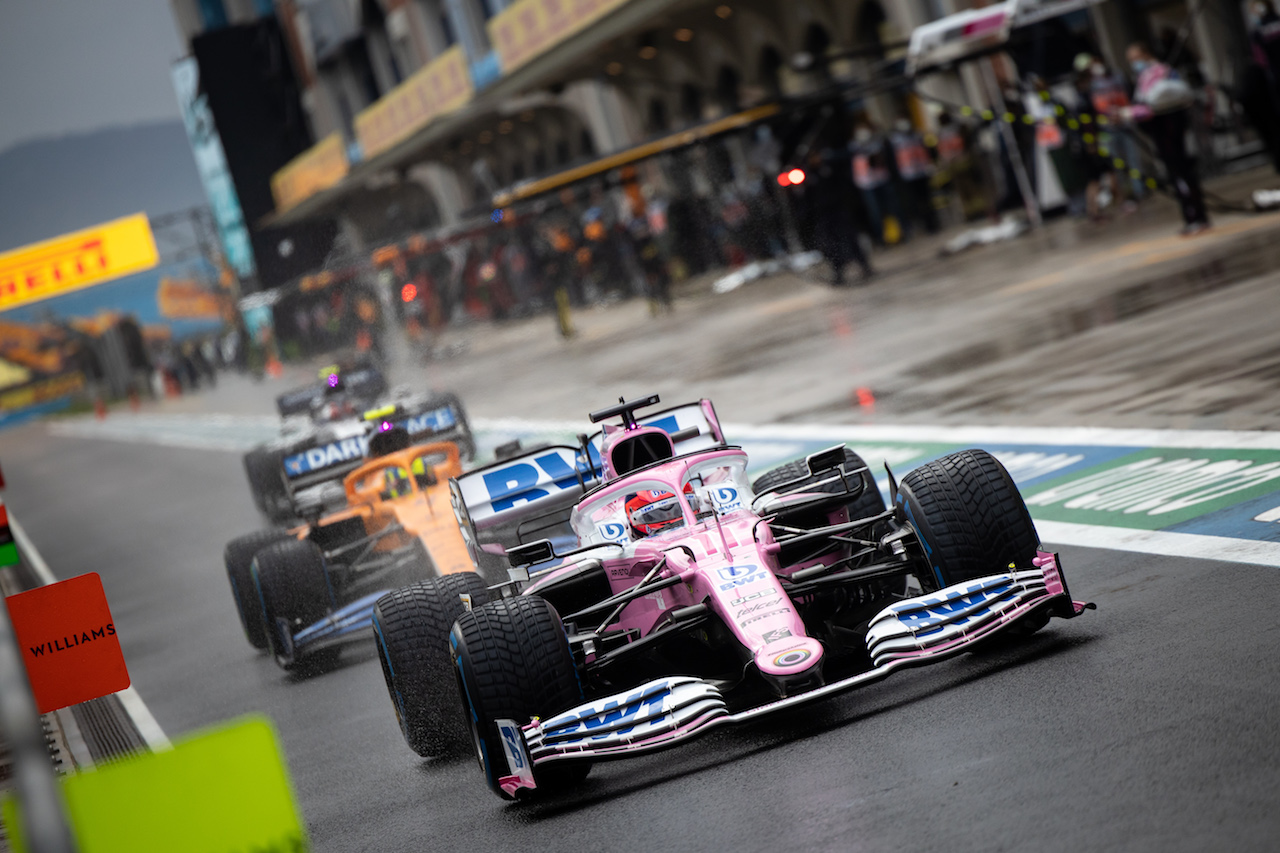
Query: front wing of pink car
668 711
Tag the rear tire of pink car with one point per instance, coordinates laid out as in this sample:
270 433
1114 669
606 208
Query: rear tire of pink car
869 503
411 630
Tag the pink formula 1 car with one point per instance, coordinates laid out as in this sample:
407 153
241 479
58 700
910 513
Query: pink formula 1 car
691 598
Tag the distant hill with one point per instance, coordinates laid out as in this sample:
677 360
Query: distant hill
51 186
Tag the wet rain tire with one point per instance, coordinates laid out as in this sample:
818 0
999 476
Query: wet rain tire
293 588
264 470
869 503
411 629
237 557
971 519
513 662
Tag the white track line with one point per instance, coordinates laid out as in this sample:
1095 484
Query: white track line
153 428
142 719
33 558
1096 536
1068 436
133 705
1163 543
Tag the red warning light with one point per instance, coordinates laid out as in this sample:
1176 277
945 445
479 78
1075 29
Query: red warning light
408 293
784 179
796 176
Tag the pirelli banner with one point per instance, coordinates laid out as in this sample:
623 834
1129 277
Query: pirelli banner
78 260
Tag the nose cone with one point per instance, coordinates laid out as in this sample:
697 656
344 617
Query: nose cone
789 658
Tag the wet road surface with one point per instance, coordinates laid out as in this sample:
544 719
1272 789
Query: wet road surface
1145 725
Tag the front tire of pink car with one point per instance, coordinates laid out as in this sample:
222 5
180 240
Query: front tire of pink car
970 516
512 660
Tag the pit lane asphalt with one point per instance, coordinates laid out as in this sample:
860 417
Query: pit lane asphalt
1150 724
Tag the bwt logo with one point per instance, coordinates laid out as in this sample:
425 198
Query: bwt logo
731 572
613 531
726 498
318 458
742 581
613 712
941 613
513 747
525 481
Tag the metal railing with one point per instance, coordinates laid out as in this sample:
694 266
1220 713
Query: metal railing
35 784
30 744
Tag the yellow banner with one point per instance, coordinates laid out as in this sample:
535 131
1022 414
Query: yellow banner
222 789
12 374
318 168
528 28
77 260
441 86
41 392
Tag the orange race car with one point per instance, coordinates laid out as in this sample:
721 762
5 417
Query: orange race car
305 592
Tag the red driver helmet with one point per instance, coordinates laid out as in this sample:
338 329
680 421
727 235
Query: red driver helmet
652 510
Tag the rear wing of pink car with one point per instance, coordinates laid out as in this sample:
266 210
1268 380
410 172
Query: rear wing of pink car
529 496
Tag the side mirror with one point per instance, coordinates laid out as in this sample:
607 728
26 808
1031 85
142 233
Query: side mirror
531 553
825 460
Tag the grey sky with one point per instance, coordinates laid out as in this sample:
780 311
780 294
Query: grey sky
71 66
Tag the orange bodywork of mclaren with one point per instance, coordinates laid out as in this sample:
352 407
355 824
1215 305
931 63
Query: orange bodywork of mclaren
408 488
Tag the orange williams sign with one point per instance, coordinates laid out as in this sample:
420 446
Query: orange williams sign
69 642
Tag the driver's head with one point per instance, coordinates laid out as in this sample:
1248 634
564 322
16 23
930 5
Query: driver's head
651 510
397 483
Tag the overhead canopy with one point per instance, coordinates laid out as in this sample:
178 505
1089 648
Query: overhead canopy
976 32
540 71
531 188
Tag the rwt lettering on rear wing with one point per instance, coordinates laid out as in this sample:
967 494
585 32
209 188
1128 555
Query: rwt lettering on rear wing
693 425
549 471
522 499
529 497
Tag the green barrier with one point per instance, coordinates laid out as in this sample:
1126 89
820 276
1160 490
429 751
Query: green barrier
224 790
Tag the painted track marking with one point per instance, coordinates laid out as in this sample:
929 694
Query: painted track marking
1042 460
138 712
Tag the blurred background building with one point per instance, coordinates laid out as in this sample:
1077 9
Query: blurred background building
477 156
